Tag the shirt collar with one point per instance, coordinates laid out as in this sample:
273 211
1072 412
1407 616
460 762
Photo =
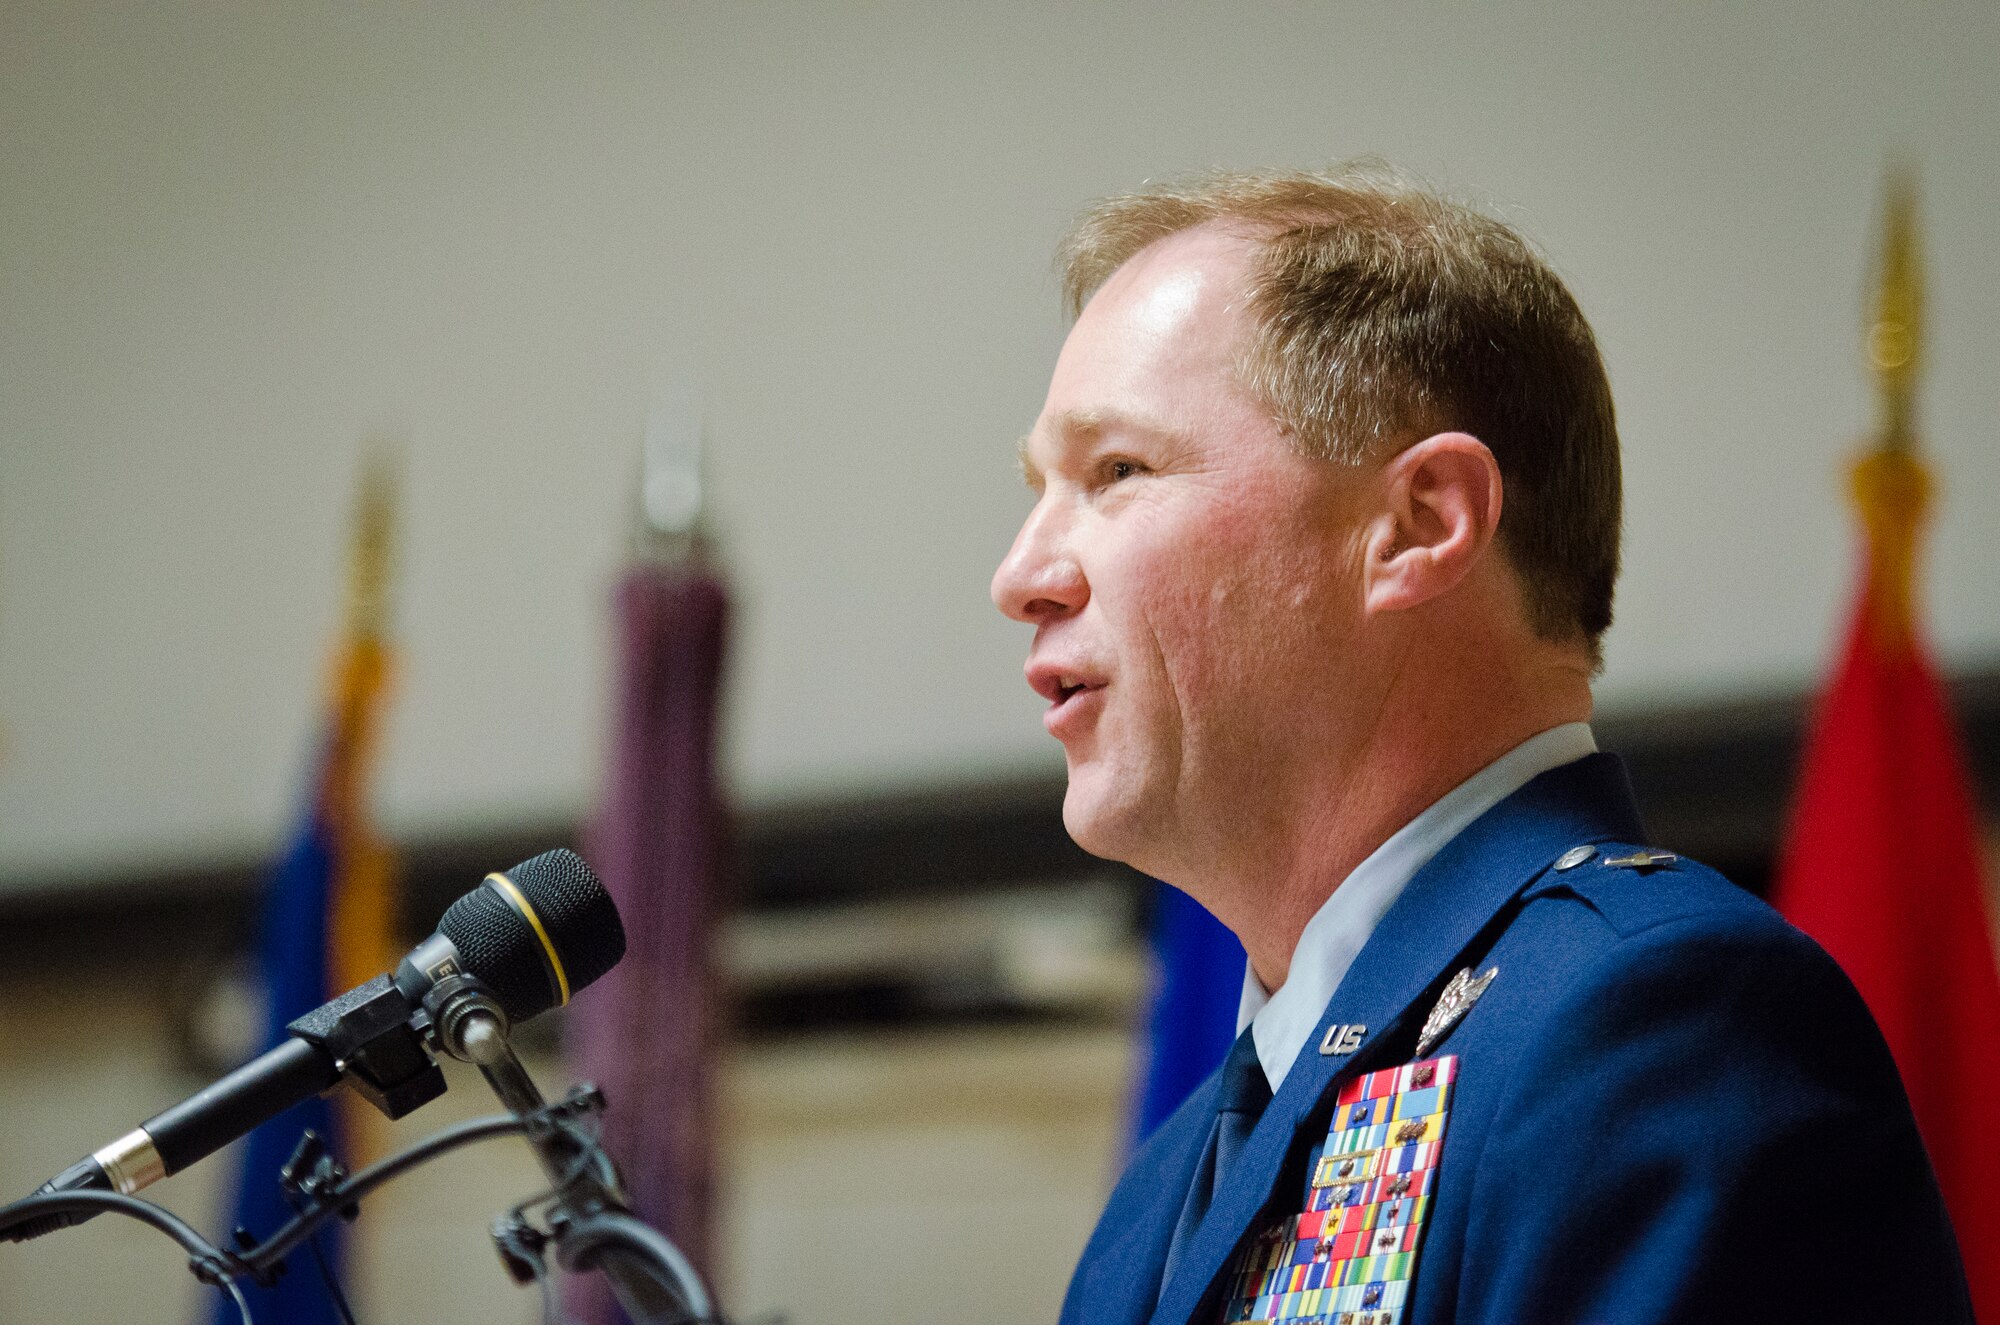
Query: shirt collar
1283 1021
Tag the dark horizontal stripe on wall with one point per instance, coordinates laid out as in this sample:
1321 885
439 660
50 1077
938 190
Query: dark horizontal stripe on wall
1714 780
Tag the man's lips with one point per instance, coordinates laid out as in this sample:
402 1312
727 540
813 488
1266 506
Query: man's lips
1057 682
1069 715
1071 692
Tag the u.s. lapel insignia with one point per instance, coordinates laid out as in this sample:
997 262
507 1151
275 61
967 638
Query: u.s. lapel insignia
1340 1041
1457 999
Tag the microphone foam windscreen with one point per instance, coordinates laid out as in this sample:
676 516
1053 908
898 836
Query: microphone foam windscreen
502 941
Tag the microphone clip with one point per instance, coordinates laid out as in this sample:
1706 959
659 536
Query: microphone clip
311 1178
368 1031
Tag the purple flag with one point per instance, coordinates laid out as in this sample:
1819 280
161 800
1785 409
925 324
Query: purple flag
648 1032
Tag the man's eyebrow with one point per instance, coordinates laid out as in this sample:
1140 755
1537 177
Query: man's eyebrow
1082 425
1071 426
1082 428
1029 471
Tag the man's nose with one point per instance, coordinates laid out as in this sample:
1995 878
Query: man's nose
1040 578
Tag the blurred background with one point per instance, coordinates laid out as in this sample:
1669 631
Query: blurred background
238 240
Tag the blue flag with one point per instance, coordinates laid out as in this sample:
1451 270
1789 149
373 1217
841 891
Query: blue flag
327 926
1197 986
292 955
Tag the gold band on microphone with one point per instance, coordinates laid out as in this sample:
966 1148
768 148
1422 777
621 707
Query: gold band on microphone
520 903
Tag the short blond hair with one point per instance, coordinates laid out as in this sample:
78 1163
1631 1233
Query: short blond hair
1386 313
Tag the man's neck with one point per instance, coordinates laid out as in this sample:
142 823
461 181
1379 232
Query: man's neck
1268 902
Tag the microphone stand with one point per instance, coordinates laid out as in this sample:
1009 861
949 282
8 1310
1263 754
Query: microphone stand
589 1222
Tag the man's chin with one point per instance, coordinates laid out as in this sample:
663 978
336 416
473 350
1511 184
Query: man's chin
1102 816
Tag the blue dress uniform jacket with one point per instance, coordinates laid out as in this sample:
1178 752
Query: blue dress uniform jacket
1670 1106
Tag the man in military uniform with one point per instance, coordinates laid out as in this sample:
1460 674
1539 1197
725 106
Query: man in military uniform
1321 557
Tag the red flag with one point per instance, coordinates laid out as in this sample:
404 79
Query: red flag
1881 865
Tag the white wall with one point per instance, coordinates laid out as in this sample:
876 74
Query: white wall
236 237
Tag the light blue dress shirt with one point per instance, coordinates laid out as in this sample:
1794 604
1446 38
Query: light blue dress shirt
1282 1022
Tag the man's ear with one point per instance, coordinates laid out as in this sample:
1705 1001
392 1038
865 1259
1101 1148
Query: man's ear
1438 513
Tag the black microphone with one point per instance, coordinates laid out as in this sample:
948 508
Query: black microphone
533 935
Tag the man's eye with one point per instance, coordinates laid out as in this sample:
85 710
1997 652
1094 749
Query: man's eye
1121 469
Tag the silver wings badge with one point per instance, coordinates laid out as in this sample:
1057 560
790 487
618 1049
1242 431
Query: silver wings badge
1457 999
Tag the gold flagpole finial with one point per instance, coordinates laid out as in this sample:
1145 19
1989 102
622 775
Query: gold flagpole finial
362 907
1891 485
1895 332
371 554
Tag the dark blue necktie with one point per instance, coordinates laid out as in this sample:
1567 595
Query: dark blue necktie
1240 1099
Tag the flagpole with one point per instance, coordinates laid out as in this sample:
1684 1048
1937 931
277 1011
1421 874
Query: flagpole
1891 485
327 909
1895 332
1881 860
362 919
650 1033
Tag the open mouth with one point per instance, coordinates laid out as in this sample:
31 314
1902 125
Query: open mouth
1060 687
1071 708
1066 689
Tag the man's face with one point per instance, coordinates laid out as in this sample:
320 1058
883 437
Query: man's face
1192 579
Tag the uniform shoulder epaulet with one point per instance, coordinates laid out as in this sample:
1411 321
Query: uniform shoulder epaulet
1633 885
